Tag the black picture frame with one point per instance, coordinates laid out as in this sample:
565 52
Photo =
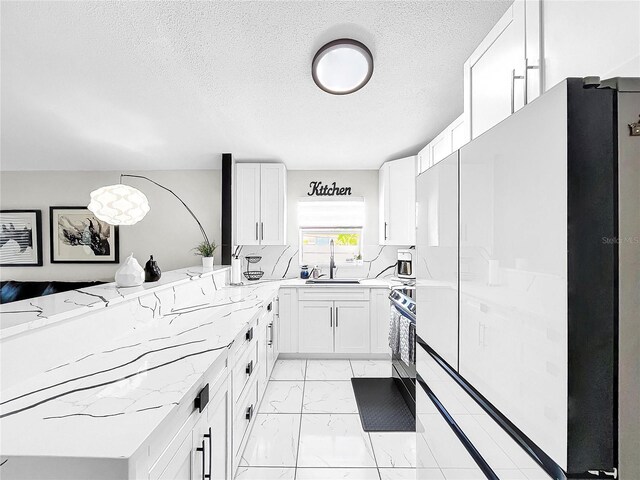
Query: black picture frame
54 239
37 242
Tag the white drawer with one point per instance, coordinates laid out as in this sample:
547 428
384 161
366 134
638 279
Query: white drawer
245 369
245 339
332 293
244 413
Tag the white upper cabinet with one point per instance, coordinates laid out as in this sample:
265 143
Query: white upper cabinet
503 73
397 197
261 204
448 141
247 218
273 187
590 38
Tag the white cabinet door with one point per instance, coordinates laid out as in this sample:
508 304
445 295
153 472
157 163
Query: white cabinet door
273 209
316 326
351 321
495 73
402 202
247 218
383 204
441 146
182 466
272 343
288 320
380 315
397 202
217 445
459 133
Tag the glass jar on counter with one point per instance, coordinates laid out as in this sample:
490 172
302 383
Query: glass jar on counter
304 272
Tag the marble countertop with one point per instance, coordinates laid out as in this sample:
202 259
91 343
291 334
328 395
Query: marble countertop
107 403
17 317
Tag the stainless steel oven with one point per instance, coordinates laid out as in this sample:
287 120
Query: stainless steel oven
403 348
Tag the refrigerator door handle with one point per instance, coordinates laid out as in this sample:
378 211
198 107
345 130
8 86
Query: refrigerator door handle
527 67
515 77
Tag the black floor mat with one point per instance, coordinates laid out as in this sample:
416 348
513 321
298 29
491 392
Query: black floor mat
381 406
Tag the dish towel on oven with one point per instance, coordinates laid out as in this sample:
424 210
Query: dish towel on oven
402 336
406 350
394 331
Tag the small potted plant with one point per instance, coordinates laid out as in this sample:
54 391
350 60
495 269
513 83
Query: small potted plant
206 250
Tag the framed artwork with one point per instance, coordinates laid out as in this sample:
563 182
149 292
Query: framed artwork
77 236
20 238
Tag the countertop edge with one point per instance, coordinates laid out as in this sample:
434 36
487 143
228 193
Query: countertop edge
106 294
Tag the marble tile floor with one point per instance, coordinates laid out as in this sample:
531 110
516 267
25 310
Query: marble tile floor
308 428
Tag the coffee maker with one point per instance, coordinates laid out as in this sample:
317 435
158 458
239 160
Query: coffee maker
405 268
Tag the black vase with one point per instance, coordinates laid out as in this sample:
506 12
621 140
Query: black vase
152 271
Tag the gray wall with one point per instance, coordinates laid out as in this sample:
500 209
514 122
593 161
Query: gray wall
168 231
283 261
363 183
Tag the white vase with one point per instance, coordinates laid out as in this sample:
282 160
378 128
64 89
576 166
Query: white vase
207 262
130 273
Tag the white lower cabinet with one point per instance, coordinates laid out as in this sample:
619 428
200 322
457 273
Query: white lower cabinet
334 324
219 428
200 448
316 326
351 327
181 464
273 338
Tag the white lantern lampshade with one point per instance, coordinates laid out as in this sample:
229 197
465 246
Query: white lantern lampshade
119 204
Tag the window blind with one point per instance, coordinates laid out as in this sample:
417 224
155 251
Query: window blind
331 212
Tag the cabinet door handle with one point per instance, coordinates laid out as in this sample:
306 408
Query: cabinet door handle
201 449
336 317
261 231
249 335
331 317
208 435
249 414
514 77
249 368
385 230
256 230
270 327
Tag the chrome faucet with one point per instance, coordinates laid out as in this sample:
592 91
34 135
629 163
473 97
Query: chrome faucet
332 262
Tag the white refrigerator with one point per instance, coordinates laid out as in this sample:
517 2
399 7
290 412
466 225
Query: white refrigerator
518 273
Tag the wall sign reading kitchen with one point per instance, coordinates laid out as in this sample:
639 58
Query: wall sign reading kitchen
324 190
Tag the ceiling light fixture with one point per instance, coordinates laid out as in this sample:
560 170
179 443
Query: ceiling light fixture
342 66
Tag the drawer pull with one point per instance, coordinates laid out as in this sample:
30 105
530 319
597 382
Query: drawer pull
202 398
270 306
249 335
249 368
249 414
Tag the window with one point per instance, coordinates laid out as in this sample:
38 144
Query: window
321 221
315 246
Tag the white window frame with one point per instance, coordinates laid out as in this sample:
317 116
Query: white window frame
349 229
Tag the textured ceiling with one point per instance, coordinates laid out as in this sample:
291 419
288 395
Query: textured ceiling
171 85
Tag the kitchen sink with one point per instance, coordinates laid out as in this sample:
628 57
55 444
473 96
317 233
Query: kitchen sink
331 281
